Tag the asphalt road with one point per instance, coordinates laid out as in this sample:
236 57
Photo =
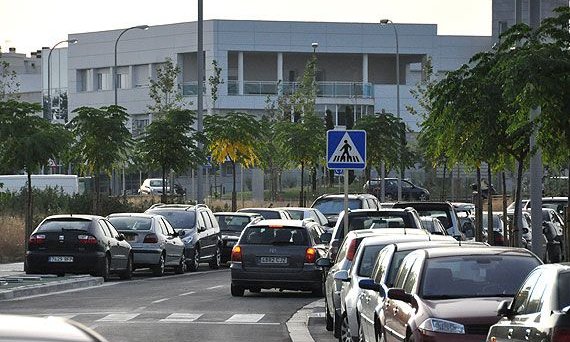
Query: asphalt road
190 307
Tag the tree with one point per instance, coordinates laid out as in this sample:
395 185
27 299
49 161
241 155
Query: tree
102 141
27 142
233 136
215 80
170 143
164 91
9 85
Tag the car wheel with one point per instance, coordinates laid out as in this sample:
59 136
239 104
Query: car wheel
127 274
216 260
344 335
328 318
181 267
105 268
237 291
158 270
194 263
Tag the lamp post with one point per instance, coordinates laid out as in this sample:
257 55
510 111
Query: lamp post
385 22
69 41
140 27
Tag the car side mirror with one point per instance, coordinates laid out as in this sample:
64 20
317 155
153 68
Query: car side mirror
504 309
566 310
121 237
175 234
326 237
400 294
181 233
324 262
369 284
341 275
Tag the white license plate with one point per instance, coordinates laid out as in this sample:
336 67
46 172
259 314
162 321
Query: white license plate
273 260
60 259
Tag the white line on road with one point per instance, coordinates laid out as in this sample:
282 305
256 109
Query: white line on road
187 293
181 318
160 300
245 318
298 323
117 317
215 287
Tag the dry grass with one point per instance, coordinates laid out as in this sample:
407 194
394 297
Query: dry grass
11 239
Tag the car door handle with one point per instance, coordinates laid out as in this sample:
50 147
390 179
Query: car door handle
510 333
527 334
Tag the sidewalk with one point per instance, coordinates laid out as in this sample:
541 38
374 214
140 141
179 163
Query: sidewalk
15 283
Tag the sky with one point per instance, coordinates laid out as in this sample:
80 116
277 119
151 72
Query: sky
28 25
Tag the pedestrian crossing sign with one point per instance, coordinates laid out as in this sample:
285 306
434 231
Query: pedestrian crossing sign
346 149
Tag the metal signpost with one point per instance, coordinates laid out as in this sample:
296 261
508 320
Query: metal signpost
346 150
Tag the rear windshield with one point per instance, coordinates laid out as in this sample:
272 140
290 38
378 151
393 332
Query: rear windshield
178 219
131 223
442 215
267 214
232 223
368 259
263 235
563 293
379 219
296 214
475 276
333 206
58 225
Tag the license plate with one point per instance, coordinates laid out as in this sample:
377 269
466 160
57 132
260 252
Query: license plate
273 260
60 259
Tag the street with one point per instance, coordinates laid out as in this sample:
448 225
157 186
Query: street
190 307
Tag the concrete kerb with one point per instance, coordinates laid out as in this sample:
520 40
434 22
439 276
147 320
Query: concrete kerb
54 286
298 324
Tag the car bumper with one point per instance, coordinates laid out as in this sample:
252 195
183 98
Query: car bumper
37 262
146 256
430 336
309 278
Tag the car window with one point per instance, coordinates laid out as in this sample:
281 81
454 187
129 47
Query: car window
321 218
333 206
130 222
264 235
169 228
206 219
201 222
413 277
162 228
395 266
402 274
381 264
232 223
57 225
406 184
381 219
368 259
295 214
537 296
104 228
315 233
179 219
267 214
521 298
562 289
212 219
112 229
343 250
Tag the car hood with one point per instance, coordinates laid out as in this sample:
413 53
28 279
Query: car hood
467 311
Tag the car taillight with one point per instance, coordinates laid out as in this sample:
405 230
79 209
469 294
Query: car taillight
150 238
37 239
310 255
236 253
561 335
87 239
351 250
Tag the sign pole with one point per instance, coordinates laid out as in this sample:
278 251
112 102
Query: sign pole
345 202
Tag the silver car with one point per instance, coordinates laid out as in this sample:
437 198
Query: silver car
154 242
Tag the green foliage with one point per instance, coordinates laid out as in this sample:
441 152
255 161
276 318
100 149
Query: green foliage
9 86
164 91
215 80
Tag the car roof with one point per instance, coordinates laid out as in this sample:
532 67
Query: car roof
79 216
44 329
382 210
407 246
390 239
259 208
422 203
297 208
281 222
177 206
490 250
389 231
559 267
233 213
149 215
342 196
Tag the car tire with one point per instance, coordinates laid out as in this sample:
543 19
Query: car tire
237 291
216 259
105 268
181 267
158 270
127 274
328 318
194 263
344 335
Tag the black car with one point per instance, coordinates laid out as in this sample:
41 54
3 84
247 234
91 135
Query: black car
198 229
410 191
540 310
231 225
278 254
78 244
331 205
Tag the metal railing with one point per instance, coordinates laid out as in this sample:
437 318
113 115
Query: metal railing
191 88
325 89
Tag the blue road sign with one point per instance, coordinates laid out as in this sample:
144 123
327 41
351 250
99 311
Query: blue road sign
346 149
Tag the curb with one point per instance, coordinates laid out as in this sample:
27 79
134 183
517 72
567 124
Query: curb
298 324
56 286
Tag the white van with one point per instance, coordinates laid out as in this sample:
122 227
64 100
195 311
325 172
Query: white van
14 183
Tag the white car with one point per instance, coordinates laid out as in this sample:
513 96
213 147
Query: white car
152 186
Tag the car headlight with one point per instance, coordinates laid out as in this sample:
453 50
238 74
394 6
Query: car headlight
442 326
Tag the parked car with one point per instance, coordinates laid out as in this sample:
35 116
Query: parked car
268 213
433 225
451 294
45 329
556 203
443 211
540 311
410 191
373 219
78 244
498 228
370 303
526 227
277 254
343 262
198 229
332 205
302 213
231 225
152 186
154 242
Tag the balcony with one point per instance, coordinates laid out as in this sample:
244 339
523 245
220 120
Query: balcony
191 88
325 89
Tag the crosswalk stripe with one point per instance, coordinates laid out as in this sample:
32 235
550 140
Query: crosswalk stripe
181 318
118 317
245 318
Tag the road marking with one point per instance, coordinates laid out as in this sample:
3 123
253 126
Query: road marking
181 318
117 317
245 318
298 324
67 316
187 293
160 300
215 287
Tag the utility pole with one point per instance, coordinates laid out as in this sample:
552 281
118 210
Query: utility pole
200 99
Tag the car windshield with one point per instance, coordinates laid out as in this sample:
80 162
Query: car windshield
156 183
296 214
475 276
122 223
232 223
368 259
178 219
60 224
264 235
333 206
381 219
563 293
267 214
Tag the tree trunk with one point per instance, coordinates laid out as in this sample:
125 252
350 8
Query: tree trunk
29 212
301 195
567 226
507 230
516 229
234 193
443 195
163 196
490 227
314 179
97 192
478 208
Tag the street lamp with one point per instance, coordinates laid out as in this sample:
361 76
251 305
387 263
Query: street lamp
140 27
315 45
69 41
385 22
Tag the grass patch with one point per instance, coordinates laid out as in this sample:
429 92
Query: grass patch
11 239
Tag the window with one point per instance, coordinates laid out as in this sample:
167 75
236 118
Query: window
104 80
169 228
368 259
112 229
382 264
81 80
163 228
140 76
412 279
104 228
404 270
260 235
395 266
536 298
122 81
520 300
206 219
